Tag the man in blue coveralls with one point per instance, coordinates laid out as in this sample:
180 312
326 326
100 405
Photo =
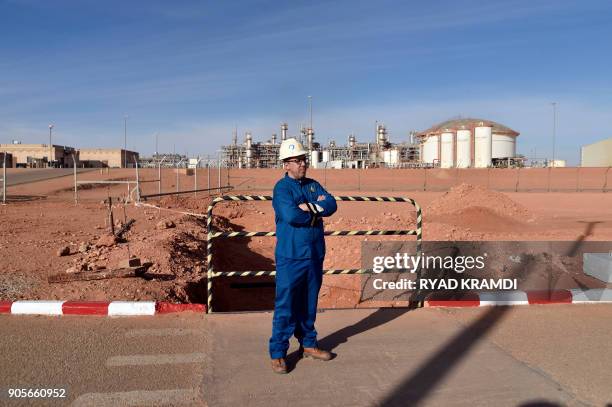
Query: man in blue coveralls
299 203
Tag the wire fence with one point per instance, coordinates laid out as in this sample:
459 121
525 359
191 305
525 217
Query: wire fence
569 179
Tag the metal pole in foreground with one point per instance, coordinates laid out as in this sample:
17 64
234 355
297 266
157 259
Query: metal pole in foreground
219 165
208 175
76 196
137 181
177 174
554 105
4 180
159 177
195 180
125 117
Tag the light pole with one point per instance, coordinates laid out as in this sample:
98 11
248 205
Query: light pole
50 144
310 109
125 117
554 105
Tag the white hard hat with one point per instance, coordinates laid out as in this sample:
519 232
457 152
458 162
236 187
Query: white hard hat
291 148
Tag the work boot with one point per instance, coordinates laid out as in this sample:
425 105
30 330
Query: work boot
279 366
316 353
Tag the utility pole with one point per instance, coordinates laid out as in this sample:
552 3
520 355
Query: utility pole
554 135
156 150
125 117
50 144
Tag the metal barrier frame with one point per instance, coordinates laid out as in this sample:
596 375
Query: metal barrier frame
210 274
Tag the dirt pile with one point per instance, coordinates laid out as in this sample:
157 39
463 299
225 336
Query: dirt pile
479 204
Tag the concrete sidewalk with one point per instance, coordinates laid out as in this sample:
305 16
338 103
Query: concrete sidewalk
389 357
501 356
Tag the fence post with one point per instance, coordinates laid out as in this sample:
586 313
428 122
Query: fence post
159 177
425 179
577 179
195 179
518 177
208 175
219 168
4 180
137 181
76 196
605 185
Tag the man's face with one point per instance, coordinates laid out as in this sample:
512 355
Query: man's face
296 167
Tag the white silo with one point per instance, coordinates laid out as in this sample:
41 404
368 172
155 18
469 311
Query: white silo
394 157
446 161
483 144
464 148
325 156
504 146
387 157
314 159
430 149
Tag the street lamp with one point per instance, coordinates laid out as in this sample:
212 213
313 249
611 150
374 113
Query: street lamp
125 141
50 144
554 134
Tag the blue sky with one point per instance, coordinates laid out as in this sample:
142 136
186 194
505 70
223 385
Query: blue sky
191 70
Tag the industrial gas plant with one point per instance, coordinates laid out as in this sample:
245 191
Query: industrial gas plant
458 143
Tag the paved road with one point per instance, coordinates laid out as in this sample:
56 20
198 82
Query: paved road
27 175
517 356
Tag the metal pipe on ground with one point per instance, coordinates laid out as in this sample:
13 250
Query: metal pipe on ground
186 192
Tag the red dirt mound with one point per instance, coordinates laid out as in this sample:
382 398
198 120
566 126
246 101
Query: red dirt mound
464 197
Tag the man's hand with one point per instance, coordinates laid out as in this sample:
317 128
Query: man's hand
304 207
321 198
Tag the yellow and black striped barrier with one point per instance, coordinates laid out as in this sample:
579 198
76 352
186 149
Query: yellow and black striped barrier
418 232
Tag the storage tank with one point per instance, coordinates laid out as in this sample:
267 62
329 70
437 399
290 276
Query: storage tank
387 157
556 163
504 146
395 157
430 149
325 156
314 159
448 155
483 144
464 148
351 141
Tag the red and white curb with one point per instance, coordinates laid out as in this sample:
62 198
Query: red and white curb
113 308
136 308
483 299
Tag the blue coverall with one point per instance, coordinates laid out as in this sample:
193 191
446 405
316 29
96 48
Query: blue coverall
299 254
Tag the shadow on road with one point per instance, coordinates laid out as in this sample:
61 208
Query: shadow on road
415 388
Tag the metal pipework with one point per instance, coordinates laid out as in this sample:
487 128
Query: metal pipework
249 151
284 129
310 137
